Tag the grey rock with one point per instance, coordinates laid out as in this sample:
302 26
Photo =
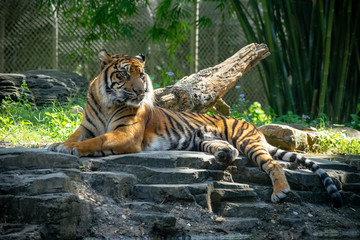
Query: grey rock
117 185
286 137
34 182
64 214
21 232
235 209
26 158
45 86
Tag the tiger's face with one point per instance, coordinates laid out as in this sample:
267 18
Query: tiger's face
124 80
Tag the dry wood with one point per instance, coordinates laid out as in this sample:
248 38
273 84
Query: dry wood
202 91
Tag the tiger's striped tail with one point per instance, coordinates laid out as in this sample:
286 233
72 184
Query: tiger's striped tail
325 178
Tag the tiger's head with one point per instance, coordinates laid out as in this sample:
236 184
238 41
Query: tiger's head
123 81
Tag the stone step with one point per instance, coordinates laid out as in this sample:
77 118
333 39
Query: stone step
230 185
249 210
295 196
354 187
298 179
27 158
154 220
64 213
350 177
34 182
20 231
327 164
116 185
241 224
351 160
147 175
160 193
238 195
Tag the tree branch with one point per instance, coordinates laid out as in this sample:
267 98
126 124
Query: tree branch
200 91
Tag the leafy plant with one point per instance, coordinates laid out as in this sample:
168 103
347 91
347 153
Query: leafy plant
21 123
355 119
254 114
335 143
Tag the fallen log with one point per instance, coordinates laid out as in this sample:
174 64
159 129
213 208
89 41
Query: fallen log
201 91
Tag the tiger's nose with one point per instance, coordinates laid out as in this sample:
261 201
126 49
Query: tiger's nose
138 91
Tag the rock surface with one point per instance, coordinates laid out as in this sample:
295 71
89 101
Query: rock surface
286 137
45 86
46 195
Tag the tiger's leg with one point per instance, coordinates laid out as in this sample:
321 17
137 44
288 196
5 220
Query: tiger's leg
106 144
257 152
80 134
206 141
223 151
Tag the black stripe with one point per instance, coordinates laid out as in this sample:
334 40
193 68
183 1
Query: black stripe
118 111
173 121
97 114
244 144
262 164
225 128
90 121
124 125
190 115
207 118
92 135
251 152
125 116
234 141
236 122
293 157
258 155
105 77
281 155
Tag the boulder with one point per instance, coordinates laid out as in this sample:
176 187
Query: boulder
286 137
45 86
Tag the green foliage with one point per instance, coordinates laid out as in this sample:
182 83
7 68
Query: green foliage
104 19
335 143
355 119
314 55
254 114
21 123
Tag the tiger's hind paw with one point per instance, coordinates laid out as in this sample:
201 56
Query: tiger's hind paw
278 197
226 155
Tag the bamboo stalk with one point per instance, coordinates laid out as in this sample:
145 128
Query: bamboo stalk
345 67
324 80
276 94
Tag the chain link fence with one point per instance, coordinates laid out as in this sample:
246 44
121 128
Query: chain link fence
33 38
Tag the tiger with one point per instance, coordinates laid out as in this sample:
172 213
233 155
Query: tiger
121 117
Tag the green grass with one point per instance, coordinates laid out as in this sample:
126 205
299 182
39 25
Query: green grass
24 125
327 142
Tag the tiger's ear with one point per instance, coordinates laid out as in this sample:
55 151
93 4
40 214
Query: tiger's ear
141 58
104 58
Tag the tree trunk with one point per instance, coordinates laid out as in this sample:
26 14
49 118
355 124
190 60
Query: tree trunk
201 91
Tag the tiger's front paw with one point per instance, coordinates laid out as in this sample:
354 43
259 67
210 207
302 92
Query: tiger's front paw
64 148
226 155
